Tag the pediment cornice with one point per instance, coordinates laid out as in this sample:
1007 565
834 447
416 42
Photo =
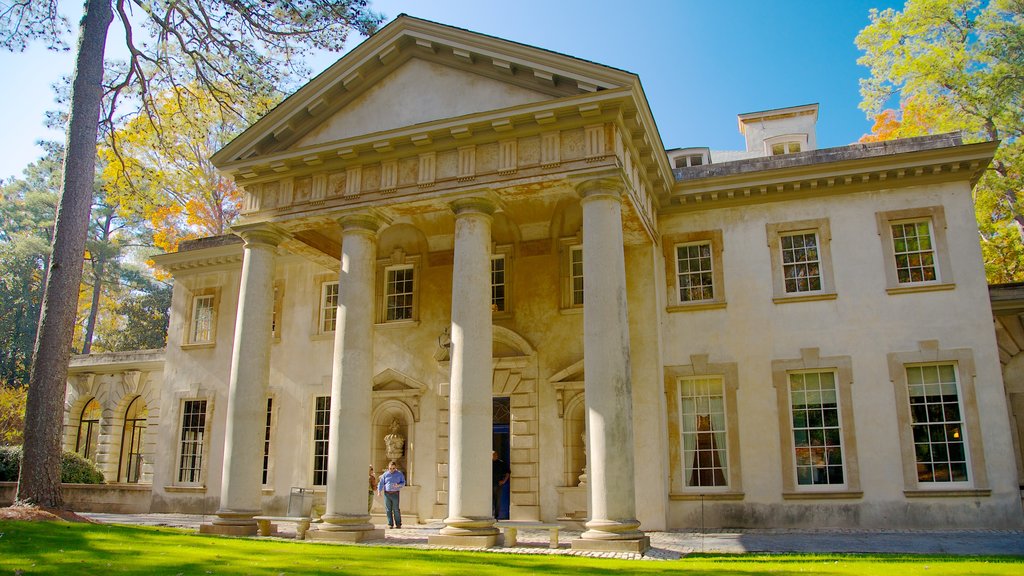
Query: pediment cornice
405 38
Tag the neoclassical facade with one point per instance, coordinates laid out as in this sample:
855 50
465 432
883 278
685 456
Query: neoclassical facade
454 244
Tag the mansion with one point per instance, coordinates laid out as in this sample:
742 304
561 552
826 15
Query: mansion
453 243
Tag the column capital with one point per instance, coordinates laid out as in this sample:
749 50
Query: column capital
365 222
264 234
473 205
601 187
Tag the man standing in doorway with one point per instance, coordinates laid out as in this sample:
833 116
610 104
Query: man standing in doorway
389 484
500 473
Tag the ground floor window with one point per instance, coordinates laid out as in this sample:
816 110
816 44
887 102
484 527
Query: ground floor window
817 436
702 416
130 466
89 430
321 438
193 433
937 423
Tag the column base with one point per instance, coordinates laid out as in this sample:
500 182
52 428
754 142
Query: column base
638 545
484 541
345 535
228 529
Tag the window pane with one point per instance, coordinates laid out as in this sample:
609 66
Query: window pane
800 263
202 320
694 273
912 247
328 307
399 294
321 437
936 423
193 430
817 437
498 283
704 435
576 275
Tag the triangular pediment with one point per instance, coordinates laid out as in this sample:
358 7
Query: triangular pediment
414 72
394 382
416 92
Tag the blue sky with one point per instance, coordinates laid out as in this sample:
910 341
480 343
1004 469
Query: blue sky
700 62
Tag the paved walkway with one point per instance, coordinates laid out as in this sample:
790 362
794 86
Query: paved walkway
673 545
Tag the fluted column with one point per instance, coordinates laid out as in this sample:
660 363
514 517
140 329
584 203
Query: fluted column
470 521
352 383
247 386
606 367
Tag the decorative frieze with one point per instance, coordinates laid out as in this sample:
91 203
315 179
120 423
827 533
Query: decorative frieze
318 190
427 174
593 138
388 175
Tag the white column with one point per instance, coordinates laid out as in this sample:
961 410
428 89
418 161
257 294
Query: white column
606 366
247 387
352 379
470 410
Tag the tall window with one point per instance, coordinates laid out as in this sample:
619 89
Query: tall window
266 442
694 271
937 423
498 283
915 255
201 330
817 436
398 293
193 432
703 429
89 430
321 436
801 262
130 466
576 275
328 307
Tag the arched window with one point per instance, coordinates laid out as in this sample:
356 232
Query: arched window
129 468
89 430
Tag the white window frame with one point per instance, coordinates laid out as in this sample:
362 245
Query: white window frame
577 295
196 333
194 449
823 428
389 295
719 436
960 425
321 419
327 322
936 218
776 233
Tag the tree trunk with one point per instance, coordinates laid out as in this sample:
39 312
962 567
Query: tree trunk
90 324
39 482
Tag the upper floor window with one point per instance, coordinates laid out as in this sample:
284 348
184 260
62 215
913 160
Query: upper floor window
576 275
801 264
801 260
498 283
328 307
914 251
786 144
202 320
694 272
915 248
398 293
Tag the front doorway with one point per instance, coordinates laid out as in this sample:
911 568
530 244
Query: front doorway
501 443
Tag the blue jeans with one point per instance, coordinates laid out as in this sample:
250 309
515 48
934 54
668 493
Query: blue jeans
392 509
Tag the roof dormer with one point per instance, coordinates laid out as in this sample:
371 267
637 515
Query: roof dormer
780 131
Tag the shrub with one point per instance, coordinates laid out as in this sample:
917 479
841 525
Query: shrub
76 469
73 467
10 460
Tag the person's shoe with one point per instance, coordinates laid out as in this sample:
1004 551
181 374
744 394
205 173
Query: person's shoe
390 526
399 526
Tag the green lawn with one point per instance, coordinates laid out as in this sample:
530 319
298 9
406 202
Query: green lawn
60 548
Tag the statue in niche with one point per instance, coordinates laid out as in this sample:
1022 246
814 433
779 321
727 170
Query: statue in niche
394 442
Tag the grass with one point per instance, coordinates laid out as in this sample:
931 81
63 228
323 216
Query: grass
61 548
